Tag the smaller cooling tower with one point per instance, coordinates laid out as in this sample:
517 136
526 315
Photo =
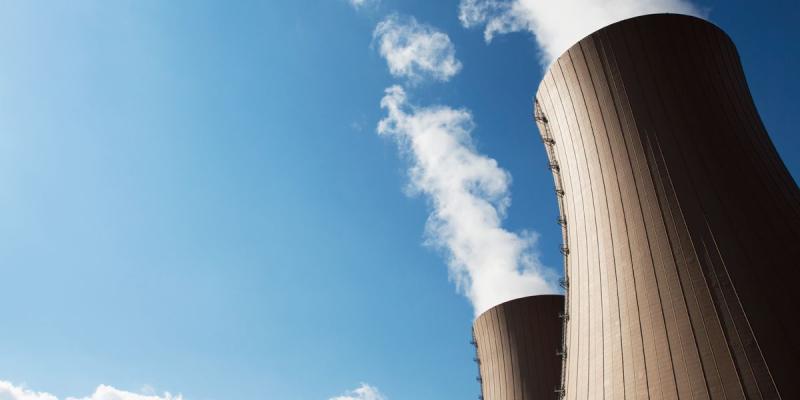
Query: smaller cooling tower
518 344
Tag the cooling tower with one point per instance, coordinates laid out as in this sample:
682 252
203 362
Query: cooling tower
517 345
681 224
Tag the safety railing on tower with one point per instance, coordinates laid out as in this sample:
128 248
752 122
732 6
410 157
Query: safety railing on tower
553 165
477 360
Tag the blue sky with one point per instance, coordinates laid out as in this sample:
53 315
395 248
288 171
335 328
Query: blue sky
194 199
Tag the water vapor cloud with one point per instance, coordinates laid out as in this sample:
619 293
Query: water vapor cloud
469 194
415 51
557 25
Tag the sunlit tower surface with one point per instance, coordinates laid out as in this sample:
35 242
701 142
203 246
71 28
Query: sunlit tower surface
681 224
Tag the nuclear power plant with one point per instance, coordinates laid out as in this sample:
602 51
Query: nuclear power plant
681 230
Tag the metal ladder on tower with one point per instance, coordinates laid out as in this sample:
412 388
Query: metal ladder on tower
549 143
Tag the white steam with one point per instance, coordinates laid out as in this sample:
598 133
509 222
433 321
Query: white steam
557 25
416 51
469 194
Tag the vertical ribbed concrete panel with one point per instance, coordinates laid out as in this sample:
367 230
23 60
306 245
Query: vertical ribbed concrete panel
517 346
681 223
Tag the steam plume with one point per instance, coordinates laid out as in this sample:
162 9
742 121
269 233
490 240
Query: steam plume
469 194
557 25
416 51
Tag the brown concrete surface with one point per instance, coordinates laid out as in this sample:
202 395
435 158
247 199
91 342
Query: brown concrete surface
682 225
517 344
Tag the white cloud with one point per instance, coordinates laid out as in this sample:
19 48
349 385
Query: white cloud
9 391
357 4
557 25
105 392
416 51
469 194
363 392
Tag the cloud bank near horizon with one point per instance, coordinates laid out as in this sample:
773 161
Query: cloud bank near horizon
557 25
363 392
9 391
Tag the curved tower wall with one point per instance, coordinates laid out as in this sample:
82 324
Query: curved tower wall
517 344
681 223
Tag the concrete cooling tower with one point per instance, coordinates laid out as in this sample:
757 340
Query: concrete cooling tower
517 344
681 224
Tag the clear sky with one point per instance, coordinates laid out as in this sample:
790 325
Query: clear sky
194 198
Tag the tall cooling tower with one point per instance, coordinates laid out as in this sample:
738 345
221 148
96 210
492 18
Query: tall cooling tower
517 344
681 224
